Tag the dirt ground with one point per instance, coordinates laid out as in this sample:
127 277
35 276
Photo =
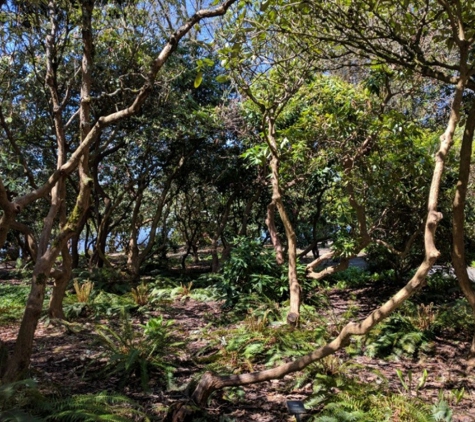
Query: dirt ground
62 362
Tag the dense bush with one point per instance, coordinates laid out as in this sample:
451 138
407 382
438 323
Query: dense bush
251 268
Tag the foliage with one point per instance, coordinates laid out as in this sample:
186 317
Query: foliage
362 403
13 301
102 406
140 294
15 398
83 290
406 332
455 318
100 304
251 268
21 401
110 280
264 338
132 352
342 397
352 277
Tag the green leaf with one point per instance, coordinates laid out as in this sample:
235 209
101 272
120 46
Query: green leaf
222 79
265 5
198 79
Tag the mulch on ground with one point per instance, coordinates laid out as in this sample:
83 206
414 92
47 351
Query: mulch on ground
63 362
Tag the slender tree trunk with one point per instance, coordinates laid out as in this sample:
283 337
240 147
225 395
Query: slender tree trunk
274 235
31 245
133 259
60 284
294 285
77 238
20 360
458 231
247 210
9 213
219 232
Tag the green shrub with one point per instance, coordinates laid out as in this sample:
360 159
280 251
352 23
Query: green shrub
400 335
264 338
340 397
351 277
132 353
109 280
99 304
251 268
455 318
102 406
17 400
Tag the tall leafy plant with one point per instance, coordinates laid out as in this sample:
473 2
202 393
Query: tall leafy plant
251 268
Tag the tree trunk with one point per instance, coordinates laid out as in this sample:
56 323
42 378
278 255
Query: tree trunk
294 285
219 232
20 360
274 235
247 210
133 259
458 232
60 284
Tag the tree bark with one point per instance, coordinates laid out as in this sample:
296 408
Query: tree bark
294 285
274 235
458 231
60 284
219 232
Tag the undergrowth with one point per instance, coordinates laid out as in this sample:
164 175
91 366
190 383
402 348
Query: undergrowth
22 402
132 352
13 301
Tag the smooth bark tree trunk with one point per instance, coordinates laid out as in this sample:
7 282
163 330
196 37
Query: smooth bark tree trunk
219 231
60 284
274 235
458 230
295 289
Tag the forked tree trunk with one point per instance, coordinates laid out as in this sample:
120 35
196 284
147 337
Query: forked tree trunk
211 382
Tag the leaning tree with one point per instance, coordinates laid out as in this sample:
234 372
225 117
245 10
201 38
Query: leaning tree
59 41
431 38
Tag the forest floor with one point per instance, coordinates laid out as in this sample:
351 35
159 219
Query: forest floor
64 362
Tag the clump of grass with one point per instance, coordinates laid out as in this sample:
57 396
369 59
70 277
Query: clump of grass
83 290
186 288
141 294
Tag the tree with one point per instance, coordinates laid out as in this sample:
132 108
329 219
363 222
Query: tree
393 33
59 25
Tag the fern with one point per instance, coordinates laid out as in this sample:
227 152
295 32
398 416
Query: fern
133 353
360 402
398 336
17 399
95 407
